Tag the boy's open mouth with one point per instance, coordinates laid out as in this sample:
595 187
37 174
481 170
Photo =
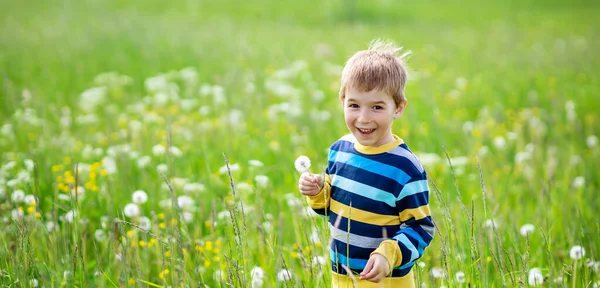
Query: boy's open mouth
365 131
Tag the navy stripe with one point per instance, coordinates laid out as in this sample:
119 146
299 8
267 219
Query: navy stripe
396 272
356 252
363 203
414 201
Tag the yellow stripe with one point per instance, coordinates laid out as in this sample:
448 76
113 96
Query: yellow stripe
362 215
320 200
343 281
378 150
417 213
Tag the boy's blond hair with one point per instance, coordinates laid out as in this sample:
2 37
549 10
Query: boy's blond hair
379 68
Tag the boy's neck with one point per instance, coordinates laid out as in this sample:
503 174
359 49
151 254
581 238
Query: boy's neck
380 149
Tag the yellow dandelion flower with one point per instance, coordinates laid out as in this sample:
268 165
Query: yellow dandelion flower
216 258
199 248
209 245
93 175
142 243
103 172
94 188
207 223
488 259
294 255
131 281
38 215
57 168
161 216
206 263
167 253
163 273
88 185
130 233
229 199
30 209
173 221
65 188
219 243
162 226
59 179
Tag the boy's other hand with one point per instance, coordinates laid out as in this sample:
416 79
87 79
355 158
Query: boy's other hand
310 184
377 268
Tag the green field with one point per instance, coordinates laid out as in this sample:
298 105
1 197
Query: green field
97 97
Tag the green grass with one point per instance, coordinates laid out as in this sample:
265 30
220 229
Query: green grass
522 61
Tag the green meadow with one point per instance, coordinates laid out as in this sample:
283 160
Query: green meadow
152 143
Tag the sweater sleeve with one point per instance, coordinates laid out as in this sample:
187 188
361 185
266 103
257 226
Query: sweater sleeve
320 202
417 228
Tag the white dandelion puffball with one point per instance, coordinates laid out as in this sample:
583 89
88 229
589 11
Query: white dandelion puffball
535 277
139 197
526 229
302 164
257 272
145 223
257 282
284 275
70 216
577 252
460 277
437 272
131 210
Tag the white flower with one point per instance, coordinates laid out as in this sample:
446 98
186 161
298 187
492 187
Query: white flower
70 216
29 199
187 217
131 210
578 182
18 196
257 282
17 214
267 227
99 235
257 272
255 163
429 159
109 165
491 224
592 141
158 150
34 282
437 272
459 161
29 164
143 161
162 168
175 151
302 164
139 197
244 187
320 260
51 226
577 252
232 167
535 277
193 187
184 201
261 180
526 229
421 264
284 275
145 223
499 142
68 275
460 277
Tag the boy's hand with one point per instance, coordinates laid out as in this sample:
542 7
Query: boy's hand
377 268
310 184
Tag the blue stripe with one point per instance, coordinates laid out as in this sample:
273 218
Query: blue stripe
364 190
411 232
371 165
348 262
363 229
413 188
414 253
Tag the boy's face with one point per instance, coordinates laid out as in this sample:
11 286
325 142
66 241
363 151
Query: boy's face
369 116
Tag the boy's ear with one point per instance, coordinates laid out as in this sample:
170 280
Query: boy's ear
400 109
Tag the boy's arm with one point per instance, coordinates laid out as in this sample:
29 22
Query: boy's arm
320 202
417 228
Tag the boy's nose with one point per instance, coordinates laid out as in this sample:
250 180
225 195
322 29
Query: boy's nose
363 116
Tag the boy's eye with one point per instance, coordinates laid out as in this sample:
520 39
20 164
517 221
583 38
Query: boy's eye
353 105
377 107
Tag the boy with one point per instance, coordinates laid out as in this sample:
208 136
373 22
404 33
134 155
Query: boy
374 191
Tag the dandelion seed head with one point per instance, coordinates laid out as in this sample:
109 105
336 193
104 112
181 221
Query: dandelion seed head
257 272
592 141
302 164
579 182
535 277
284 275
145 223
460 277
139 197
526 229
437 272
577 252
131 210
255 163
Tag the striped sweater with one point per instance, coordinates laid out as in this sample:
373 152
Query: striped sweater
377 201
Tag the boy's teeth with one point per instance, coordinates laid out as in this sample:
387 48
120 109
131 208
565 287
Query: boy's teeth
365 130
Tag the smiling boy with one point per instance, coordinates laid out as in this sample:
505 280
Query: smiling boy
374 191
